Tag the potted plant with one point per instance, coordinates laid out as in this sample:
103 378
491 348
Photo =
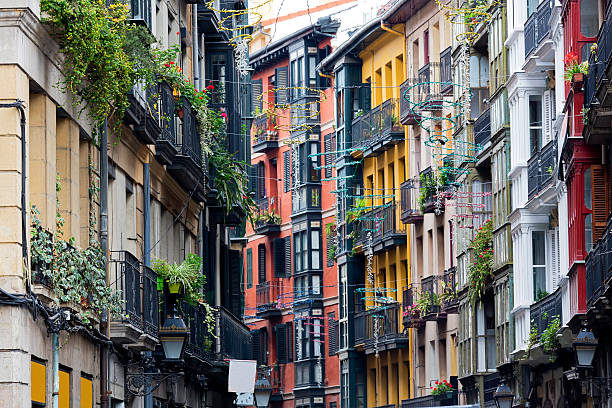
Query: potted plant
181 279
443 390
575 71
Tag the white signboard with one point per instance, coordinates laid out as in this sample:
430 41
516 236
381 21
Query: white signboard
245 399
241 376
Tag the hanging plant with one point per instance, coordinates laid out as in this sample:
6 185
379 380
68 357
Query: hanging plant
481 269
185 277
572 66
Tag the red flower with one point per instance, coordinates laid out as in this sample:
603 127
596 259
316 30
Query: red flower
167 65
211 87
224 115
436 383
178 33
171 62
570 58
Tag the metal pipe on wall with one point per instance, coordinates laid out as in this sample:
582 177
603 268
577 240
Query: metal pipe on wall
104 355
148 398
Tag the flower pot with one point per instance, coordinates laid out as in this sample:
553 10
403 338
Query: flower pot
577 81
443 396
175 288
180 113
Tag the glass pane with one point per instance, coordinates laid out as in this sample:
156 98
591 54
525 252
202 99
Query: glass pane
588 189
539 281
316 284
315 236
304 251
588 232
538 248
316 259
589 17
298 249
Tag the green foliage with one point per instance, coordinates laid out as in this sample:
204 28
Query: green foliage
447 293
548 339
541 294
267 217
441 387
91 36
187 273
357 210
481 269
426 301
430 184
330 233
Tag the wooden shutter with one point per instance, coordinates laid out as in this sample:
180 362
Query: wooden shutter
601 199
547 117
332 336
261 180
282 81
263 355
287 256
555 263
256 92
261 263
278 246
281 343
287 170
328 158
289 339
249 268
253 179
235 270
329 250
255 344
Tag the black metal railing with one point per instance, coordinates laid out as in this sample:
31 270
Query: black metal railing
429 96
150 301
125 279
598 266
537 27
545 310
410 210
389 112
482 128
166 118
266 295
190 144
263 129
598 62
541 169
449 291
382 223
235 337
421 402
377 324
201 342
429 288
408 95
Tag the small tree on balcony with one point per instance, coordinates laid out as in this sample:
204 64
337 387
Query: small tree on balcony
481 269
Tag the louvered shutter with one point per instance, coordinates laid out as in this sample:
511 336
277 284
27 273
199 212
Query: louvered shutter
332 337
282 83
249 268
287 256
286 171
289 339
278 246
330 252
261 181
263 354
255 344
257 89
547 118
554 246
601 199
281 343
365 96
235 270
261 263
328 158
253 179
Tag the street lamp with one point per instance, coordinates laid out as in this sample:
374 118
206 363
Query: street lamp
263 391
585 346
503 396
172 335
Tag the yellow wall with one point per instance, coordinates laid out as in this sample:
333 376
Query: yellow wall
388 373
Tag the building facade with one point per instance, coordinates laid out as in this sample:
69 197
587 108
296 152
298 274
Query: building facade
145 195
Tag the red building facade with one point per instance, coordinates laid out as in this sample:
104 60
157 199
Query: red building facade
291 279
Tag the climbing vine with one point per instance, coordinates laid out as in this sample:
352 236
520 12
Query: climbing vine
481 269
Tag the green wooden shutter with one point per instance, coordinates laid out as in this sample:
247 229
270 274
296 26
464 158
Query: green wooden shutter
281 96
255 344
278 246
256 91
249 268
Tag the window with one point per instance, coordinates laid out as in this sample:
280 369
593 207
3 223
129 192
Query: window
256 93
538 247
589 18
315 242
86 391
300 251
588 203
249 268
535 123
64 388
218 64
261 263
38 382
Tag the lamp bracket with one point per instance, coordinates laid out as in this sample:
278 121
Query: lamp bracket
140 383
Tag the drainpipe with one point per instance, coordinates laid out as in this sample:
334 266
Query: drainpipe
55 370
104 356
389 29
218 284
195 47
148 398
18 104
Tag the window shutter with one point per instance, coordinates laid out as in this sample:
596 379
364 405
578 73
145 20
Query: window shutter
249 268
263 350
287 170
255 344
287 263
281 343
278 245
261 180
333 336
365 96
601 200
330 252
546 117
289 339
261 263
253 179
256 92
322 54
281 96
235 269
554 246
328 158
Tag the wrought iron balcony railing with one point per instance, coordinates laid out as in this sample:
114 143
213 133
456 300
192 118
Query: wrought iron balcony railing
446 73
382 224
234 336
150 302
541 169
598 266
449 290
377 324
378 126
267 296
125 279
410 210
482 128
545 310
537 27
189 142
408 113
599 61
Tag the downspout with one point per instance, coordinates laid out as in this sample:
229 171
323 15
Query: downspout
104 356
218 284
148 398
55 346
392 31
195 46
18 104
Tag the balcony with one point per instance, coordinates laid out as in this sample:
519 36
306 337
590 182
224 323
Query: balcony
379 129
411 211
430 401
408 115
537 27
544 310
124 270
384 226
411 317
541 169
430 96
599 267
234 337
305 112
150 305
165 145
265 136
482 130
200 345
378 328
431 291
430 199
267 220
448 293
446 73
142 113
186 166
267 299
597 91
